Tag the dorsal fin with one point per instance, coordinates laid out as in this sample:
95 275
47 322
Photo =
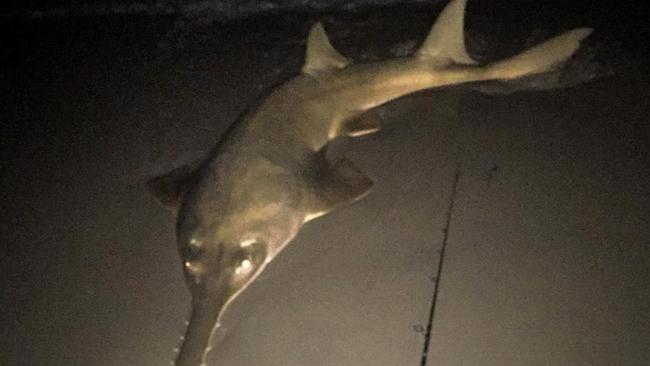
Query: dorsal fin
321 57
445 44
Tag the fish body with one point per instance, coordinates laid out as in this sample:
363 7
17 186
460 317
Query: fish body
269 175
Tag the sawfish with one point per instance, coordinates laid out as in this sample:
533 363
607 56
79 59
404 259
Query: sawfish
269 174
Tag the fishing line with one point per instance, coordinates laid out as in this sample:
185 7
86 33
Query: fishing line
441 259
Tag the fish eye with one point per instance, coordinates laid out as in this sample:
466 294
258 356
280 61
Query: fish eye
244 267
195 243
193 267
193 260
246 264
245 261
242 256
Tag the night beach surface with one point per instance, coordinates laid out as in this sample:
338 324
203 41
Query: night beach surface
537 190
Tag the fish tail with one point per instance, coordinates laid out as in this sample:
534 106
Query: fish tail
445 46
544 57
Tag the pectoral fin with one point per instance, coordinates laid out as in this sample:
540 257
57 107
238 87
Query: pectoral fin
367 123
169 188
335 185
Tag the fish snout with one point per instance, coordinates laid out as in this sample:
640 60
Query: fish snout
216 279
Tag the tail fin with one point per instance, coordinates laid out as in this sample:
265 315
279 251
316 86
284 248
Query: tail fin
445 44
541 58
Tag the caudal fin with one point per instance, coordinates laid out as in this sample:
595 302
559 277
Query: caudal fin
541 58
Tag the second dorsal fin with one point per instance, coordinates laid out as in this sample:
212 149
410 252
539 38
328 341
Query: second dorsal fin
321 57
445 43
